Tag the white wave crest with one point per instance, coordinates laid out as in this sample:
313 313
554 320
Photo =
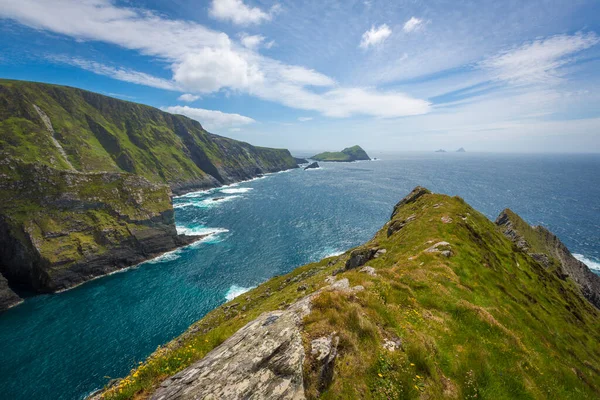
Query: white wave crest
206 203
199 230
166 257
235 290
590 263
236 190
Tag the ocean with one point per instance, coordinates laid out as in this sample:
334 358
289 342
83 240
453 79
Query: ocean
66 345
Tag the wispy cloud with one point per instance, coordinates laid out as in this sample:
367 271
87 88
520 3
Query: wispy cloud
539 61
123 74
239 13
211 119
412 24
188 97
375 36
304 119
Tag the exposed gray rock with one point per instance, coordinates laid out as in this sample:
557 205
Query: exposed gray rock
313 165
8 298
379 253
262 360
410 198
396 225
446 219
392 345
360 257
368 270
551 251
438 247
324 350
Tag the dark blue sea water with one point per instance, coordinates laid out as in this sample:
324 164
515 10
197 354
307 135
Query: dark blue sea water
66 345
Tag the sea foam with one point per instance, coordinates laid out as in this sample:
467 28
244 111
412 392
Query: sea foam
590 263
236 190
235 290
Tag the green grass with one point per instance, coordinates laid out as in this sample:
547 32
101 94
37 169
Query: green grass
487 322
348 154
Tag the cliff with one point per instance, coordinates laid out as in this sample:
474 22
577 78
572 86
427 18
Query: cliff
354 153
549 251
438 304
87 182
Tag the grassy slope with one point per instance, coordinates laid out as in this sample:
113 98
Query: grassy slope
487 322
99 133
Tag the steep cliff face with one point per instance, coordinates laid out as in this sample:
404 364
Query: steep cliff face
441 306
87 181
547 249
8 298
73 129
59 228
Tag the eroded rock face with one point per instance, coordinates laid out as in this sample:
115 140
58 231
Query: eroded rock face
549 251
410 198
8 298
360 257
263 360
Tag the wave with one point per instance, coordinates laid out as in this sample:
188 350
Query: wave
236 190
235 290
166 257
199 230
590 263
206 203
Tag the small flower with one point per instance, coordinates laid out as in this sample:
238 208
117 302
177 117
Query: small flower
381 376
412 365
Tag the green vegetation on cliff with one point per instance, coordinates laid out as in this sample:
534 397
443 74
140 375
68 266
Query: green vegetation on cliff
354 153
86 181
450 308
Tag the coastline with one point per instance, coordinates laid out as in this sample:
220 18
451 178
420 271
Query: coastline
197 238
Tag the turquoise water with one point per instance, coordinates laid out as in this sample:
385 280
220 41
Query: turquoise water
66 345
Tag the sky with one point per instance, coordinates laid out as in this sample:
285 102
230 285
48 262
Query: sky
404 75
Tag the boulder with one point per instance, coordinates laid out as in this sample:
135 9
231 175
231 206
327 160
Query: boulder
312 165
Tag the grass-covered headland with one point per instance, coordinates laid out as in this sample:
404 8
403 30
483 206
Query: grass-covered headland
450 308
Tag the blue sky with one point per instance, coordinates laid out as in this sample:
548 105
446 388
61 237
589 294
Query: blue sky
519 76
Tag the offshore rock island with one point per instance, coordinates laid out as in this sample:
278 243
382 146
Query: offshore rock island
349 154
440 303
86 182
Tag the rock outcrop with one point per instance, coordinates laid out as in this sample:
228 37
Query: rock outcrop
300 160
8 298
548 250
313 165
262 360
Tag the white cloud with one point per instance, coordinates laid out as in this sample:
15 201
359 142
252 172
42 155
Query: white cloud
539 61
412 24
122 74
205 61
238 12
210 69
188 97
304 119
375 36
211 119
252 41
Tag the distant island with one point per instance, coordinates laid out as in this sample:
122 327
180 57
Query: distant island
440 151
461 150
354 153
